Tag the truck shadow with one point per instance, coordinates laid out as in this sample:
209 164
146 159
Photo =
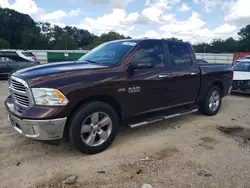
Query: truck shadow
125 134
170 125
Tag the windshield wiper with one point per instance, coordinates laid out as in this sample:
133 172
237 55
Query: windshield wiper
94 62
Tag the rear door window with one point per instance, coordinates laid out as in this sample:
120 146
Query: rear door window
179 55
4 59
12 55
8 54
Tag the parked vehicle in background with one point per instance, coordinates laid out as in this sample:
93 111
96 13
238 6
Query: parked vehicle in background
130 82
246 57
241 79
11 61
19 55
201 62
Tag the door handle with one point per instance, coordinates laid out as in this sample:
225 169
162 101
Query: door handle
163 76
193 73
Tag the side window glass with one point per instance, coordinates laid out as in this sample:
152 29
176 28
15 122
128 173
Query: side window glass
179 55
4 60
149 55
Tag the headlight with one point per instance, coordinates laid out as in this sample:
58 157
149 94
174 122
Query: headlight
49 97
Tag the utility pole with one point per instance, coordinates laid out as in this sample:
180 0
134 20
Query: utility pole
204 51
66 42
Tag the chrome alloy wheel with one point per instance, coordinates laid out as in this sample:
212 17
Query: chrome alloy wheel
214 101
96 129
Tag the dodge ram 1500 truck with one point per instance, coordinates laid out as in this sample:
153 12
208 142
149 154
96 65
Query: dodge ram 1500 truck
124 82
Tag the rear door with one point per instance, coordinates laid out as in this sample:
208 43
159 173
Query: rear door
185 74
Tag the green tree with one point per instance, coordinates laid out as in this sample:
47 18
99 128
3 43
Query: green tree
12 24
105 37
244 43
202 48
230 45
82 37
174 39
217 45
65 42
4 44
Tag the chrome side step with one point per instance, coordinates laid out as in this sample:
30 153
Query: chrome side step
161 118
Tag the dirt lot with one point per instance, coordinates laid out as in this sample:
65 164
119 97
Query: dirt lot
184 152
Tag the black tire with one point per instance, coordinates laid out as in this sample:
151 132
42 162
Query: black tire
80 116
204 105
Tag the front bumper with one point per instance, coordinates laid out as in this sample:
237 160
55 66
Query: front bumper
45 130
241 86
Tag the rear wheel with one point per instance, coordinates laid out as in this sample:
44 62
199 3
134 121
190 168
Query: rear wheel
93 127
212 102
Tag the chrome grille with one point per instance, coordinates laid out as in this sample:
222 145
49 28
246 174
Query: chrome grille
18 86
20 92
22 100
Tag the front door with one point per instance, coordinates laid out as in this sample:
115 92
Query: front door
148 84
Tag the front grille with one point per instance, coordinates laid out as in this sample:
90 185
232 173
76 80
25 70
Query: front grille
22 100
18 86
19 92
240 83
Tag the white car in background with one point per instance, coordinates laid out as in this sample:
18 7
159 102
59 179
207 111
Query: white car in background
19 55
246 57
241 80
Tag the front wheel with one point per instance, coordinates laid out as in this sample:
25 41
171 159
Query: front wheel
212 102
93 127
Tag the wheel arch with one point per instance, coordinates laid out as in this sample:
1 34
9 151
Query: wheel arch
219 85
98 98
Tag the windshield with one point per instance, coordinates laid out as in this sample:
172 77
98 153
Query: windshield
109 53
242 66
246 57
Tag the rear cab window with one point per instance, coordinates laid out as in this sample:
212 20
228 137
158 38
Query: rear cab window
179 55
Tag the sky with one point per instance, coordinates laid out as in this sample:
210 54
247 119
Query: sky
195 21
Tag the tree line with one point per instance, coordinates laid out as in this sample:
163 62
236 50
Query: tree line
229 45
20 31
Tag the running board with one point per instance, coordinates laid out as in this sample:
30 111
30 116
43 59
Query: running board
161 118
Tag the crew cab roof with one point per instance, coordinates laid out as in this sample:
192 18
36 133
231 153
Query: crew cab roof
143 40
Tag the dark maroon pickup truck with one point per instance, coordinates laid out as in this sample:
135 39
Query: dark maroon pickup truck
125 82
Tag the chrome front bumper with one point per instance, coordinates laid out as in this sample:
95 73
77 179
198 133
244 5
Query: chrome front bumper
38 129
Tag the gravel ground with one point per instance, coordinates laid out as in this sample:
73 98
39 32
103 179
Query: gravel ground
188 151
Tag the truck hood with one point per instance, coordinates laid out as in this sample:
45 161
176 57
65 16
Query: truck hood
55 68
240 75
